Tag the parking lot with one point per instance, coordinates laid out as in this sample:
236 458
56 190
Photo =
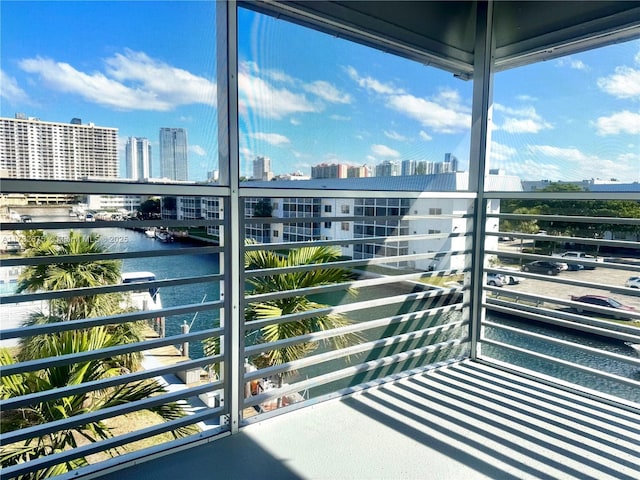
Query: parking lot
607 277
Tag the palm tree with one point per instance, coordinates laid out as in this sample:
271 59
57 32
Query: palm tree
43 412
322 275
72 275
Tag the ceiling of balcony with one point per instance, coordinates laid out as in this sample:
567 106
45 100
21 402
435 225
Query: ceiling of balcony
443 32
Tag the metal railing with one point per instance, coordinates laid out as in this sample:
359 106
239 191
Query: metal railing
545 325
410 312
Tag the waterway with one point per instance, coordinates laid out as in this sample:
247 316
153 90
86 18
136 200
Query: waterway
119 239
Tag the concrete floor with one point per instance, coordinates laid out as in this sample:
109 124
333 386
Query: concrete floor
466 421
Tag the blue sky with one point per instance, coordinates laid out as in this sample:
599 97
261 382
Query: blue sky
308 98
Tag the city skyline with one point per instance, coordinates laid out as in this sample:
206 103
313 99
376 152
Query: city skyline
307 98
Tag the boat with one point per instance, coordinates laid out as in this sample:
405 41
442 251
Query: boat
150 232
144 298
164 236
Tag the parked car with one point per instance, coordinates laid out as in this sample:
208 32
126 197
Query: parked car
496 280
562 266
601 301
12 246
541 266
574 267
576 255
26 218
632 282
511 278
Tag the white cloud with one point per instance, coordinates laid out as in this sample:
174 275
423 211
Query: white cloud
526 98
271 138
393 135
523 125
443 113
278 76
621 122
448 96
630 157
566 154
430 114
425 136
246 152
559 163
520 120
131 81
624 83
526 111
578 65
501 152
11 91
327 92
176 85
198 150
572 63
528 168
340 118
372 84
269 101
384 151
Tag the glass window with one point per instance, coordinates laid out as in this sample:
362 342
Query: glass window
312 102
569 124
99 112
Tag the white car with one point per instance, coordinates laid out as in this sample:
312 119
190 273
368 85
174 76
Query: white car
562 266
575 255
632 282
510 277
495 280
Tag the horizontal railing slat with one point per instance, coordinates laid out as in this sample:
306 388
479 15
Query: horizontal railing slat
59 392
79 357
29 331
104 413
352 350
120 287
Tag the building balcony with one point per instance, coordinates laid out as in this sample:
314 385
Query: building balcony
451 326
465 420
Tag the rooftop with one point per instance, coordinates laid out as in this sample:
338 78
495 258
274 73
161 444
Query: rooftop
442 182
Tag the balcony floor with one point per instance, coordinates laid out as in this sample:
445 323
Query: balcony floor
465 421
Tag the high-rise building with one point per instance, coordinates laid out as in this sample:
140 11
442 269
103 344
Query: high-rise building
31 148
173 154
262 169
450 163
388 168
358 172
325 170
138 158
408 167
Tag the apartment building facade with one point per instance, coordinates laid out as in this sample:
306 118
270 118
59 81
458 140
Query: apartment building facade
34 149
